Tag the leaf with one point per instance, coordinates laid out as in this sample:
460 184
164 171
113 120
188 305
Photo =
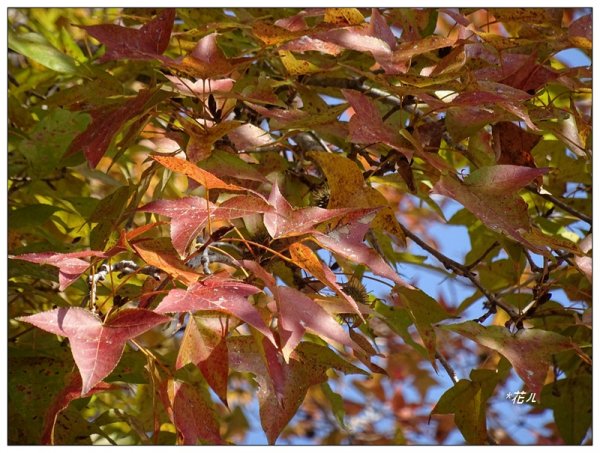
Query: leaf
529 351
205 346
70 392
96 346
189 215
358 39
467 400
106 122
70 265
305 258
248 137
580 32
206 60
156 253
222 164
367 127
192 413
307 44
35 47
348 190
200 88
425 312
307 367
336 402
201 140
217 294
409 49
296 67
502 213
515 144
202 177
343 16
49 140
285 221
145 43
571 401
299 313
347 241
502 179
379 28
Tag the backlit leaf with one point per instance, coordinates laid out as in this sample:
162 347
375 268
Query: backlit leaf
96 346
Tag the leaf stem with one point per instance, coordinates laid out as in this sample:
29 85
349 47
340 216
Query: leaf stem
565 207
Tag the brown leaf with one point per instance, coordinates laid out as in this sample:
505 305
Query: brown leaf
515 144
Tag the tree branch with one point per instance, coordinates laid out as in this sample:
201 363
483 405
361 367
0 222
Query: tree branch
565 207
460 269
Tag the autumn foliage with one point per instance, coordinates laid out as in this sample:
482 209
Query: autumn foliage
211 207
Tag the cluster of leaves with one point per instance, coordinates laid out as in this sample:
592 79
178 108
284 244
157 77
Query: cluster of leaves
204 193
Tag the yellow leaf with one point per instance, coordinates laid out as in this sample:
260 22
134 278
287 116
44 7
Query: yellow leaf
348 190
343 16
296 67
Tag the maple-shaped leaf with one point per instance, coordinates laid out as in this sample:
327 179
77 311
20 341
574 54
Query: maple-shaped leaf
367 126
70 265
191 411
70 392
96 346
504 213
206 60
145 43
348 189
307 366
284 220
530 351
106 122
217 294
204 344
347 241
189 215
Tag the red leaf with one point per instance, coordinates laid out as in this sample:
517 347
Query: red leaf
226 296
287 221
200 88
379 28
192 413
96 346
306 43
502 179
504 213
204 345
298 313
580 32
145 43
356 38
367 127
106 122
70 392
248 136
190 214
70 265
515 144
306 367
347 241
206 60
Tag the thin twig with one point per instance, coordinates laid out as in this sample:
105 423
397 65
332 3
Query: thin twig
461 270
451 373
565 207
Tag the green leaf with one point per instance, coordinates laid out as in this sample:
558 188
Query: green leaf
50 139
571 401
32 215
424 311
399 320
35 47
337 403
467 400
